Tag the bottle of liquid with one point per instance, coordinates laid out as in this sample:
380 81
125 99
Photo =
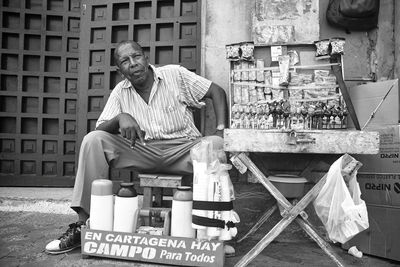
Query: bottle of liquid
181 217
101 205
126 209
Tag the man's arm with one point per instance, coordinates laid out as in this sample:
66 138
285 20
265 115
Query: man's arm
218 96
126 124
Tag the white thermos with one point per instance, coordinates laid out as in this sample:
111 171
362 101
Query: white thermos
126 209
181 214
101 205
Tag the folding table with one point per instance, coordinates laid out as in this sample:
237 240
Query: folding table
240 142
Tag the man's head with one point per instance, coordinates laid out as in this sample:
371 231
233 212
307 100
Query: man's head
132 62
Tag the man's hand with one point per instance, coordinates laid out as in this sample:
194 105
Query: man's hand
130 129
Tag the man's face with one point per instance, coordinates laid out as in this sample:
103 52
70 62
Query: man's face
132 63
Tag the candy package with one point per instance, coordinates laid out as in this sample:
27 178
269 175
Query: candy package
260 73
252 73
232 51
284 70
247 49
244 74
322 47
337 45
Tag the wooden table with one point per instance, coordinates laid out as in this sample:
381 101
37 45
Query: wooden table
318 142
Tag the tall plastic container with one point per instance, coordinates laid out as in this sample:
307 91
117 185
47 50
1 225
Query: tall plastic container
181 214
126 209
101 205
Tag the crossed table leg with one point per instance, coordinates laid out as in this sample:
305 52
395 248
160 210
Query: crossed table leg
290 212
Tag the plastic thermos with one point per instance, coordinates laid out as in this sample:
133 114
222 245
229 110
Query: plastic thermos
101 205
181 214
125 209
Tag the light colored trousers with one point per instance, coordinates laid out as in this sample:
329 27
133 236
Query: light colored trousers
101 150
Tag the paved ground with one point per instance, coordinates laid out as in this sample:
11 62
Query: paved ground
24 234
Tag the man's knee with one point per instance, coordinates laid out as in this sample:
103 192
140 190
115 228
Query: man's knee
94 136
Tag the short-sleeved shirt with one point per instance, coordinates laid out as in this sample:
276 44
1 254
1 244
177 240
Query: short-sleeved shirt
167 115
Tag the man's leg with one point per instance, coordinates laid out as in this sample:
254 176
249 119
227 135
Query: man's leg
177 159
100 150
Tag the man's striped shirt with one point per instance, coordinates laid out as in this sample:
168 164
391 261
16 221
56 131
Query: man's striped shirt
167 115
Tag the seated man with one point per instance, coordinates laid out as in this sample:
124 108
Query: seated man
146 124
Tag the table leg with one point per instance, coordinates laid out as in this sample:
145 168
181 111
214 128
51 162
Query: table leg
260 222
265 241
309 229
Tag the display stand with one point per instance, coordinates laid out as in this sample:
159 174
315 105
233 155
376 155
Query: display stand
240 142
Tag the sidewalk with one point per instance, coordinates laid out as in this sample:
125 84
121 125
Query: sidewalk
31 217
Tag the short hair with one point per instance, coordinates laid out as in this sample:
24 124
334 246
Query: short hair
133 43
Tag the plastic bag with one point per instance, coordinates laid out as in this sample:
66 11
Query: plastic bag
341 209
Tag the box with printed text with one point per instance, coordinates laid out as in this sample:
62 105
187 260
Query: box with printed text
379 177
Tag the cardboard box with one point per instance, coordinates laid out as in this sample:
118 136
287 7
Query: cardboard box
366 98
379 177
382 237
388 158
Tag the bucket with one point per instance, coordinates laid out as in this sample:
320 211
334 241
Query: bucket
291 186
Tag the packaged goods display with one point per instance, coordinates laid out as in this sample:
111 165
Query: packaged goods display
332 46
288 96
244 50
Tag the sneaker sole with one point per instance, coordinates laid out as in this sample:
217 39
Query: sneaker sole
55 252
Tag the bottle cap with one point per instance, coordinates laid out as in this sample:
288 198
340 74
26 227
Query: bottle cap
127 190
184 188
102 187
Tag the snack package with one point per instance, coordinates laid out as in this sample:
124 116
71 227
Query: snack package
237 94
232 51
252 73
247 49
260 73
319 76
260 93
295 79
296 94
245 94
306 78
244 74
294 57
277 94
236 74
268 77
252 94
276 76
316 93
284 70
322 47
337 45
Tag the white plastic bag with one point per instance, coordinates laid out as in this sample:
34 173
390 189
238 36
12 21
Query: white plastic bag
341 209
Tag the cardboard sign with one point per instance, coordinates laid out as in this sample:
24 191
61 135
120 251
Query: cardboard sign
366 99
150 248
